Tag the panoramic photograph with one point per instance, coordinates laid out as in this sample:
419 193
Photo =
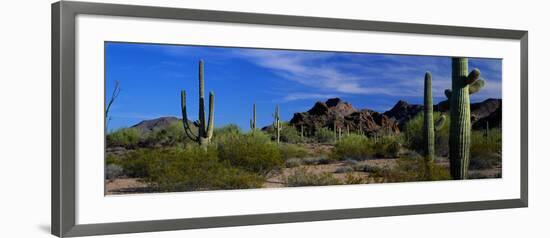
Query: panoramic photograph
182 118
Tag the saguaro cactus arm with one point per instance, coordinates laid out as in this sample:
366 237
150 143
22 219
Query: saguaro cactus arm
210 129
473 76
440 122
185 119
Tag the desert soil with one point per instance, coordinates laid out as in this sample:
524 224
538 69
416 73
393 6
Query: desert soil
277 180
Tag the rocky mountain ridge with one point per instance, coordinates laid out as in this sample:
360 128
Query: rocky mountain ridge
337 113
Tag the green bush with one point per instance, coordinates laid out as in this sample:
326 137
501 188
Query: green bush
324 135
136 163
482 144
113 171
354 147
291 163
124 137
192 168
409 170
289 151
227 129
414 137
172 135
352 179
485 149
289 134
386 147
253 152
226 133
302 177
317 160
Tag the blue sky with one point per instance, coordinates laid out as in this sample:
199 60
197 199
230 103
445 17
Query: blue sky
151 77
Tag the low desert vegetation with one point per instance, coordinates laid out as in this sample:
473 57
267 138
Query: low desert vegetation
303 177
359 147
413 139
125 137
168 161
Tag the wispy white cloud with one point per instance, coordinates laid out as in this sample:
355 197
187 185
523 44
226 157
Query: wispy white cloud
311 69
327 73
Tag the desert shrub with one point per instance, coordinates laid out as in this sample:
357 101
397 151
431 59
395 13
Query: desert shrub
225 133
124 137
485 149
170 136
136 163
227 129
289 134
324 135
354 147
386 147
413 135
111 159
343 169
302 177
314 160
372 169
292 151
253 152
350 162
352 179
291 163
486 144
193 168
408 170
113 171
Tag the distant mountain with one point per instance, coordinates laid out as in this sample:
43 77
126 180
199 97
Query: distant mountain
336 113
489 110
159 123
340 114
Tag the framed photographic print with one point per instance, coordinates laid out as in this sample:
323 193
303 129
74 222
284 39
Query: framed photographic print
167 119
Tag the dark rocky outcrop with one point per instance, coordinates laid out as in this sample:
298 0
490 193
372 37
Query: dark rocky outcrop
336 113
489 110
402 111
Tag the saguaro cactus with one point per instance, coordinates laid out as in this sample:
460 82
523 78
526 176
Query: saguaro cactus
205 131
463 84
428 128
277 124
253 120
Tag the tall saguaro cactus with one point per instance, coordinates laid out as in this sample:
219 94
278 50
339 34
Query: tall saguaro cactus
428 128
205 131
463 84
253 120
277 124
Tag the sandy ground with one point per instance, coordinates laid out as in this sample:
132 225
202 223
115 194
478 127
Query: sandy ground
278 180
126 185
135 185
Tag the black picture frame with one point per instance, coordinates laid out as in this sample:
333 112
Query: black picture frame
63 117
